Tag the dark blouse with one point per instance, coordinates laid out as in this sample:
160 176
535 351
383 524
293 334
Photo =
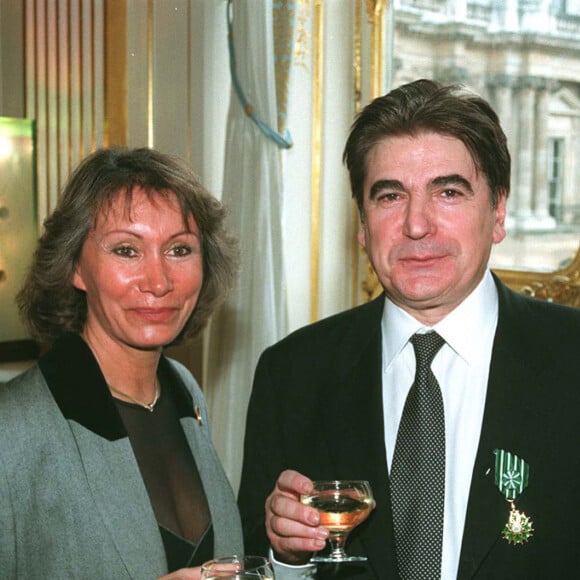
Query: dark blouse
171 477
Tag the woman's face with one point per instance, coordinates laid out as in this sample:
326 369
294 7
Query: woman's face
141 269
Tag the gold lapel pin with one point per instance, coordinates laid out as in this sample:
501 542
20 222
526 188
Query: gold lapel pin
198 415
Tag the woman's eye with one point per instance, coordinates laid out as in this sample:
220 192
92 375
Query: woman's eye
181 250
125 251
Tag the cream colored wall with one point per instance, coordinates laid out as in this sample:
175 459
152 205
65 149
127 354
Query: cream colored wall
53 59
309 166
172 92
177 96
11 60
178 81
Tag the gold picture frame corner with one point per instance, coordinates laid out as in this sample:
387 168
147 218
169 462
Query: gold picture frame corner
561 286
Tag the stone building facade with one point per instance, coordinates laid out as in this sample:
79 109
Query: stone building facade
524 56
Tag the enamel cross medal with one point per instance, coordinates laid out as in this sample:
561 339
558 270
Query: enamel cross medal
511 478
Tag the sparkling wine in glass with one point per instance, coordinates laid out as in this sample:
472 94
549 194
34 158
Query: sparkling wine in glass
343 505
237 568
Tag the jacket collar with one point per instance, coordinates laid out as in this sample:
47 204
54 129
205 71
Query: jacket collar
514 373
81 393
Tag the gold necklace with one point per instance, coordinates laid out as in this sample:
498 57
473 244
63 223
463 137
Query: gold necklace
148 406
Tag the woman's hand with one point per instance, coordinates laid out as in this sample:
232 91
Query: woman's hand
184 574
293 528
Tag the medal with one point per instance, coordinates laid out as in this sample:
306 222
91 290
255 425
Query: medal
518 528
511 478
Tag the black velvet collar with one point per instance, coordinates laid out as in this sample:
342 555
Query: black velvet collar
79 388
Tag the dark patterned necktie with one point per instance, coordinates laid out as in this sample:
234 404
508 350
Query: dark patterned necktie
418 470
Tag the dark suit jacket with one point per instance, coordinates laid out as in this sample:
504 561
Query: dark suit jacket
72 500
316 407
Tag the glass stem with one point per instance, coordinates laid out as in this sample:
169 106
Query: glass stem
337 541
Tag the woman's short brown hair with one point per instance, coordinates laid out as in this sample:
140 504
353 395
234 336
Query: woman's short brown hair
48 302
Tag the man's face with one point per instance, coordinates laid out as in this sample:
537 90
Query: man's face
428 224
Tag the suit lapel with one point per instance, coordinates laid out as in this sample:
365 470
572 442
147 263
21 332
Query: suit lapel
131 528
506 425
227 527
357 442
487 510
111 471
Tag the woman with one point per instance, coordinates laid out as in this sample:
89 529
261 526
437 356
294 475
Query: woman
107 469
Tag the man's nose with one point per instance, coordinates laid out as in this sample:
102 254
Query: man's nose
418 219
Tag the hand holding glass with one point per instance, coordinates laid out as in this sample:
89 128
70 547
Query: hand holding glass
342 505
237 568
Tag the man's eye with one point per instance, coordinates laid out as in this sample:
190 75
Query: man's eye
451 193
125 251
391 196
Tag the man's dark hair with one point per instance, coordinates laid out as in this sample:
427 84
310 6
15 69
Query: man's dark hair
426 106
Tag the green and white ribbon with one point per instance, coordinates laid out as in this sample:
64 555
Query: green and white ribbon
511 474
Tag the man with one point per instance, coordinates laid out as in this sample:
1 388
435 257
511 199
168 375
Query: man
430 171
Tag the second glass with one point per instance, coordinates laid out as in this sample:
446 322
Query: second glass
237 568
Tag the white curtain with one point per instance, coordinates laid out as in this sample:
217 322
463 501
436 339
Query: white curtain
255 314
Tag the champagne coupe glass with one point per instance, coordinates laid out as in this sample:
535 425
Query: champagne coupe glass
343 505
237 568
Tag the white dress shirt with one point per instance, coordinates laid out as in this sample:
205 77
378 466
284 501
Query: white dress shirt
462 369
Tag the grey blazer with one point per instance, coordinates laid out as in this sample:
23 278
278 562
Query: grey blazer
72 500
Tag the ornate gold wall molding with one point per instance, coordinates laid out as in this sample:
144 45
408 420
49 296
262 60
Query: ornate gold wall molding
562 286
302 47
317 86
376 13
64 61
116 72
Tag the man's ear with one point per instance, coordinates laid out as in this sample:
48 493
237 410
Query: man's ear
361 235
500 211
362 230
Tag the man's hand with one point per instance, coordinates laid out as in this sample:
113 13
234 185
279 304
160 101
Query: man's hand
293 529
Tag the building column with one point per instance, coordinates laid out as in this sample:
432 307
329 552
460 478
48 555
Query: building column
509 20
540 185
501 89
457 9
524 153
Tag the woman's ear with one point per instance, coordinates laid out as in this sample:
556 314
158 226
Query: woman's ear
77 279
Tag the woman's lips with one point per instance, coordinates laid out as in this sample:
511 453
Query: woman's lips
155 314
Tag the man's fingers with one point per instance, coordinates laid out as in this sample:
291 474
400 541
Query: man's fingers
288 528
293 528
293 482
289 508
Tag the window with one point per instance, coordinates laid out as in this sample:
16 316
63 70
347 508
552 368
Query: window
555 176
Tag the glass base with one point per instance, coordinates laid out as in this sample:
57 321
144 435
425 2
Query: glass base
339 559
